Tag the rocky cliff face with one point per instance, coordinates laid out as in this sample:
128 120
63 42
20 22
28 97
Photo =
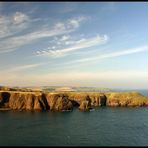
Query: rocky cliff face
126 99
85 104
32 101
59 102
66 101
27 101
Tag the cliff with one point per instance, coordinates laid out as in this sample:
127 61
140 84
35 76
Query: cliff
60 101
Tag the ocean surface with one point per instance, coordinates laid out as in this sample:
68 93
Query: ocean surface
104 126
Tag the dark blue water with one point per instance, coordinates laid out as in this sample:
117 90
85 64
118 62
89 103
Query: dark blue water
102 127
105 126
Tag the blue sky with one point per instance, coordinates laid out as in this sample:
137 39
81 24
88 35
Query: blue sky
98 44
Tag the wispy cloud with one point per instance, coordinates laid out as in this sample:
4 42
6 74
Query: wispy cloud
114 54
25 67
19 18
22 68
17 41
12 24
73 45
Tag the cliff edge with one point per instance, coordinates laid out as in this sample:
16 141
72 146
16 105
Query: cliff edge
60 101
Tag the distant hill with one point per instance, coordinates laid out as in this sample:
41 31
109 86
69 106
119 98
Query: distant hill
22 89
56 88
65 89
77 89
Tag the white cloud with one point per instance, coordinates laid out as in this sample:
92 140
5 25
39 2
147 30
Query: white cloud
19 17
14 43
75 45
114 54
10 25
76 22
69 42
65 37
20 68
17 41
24 67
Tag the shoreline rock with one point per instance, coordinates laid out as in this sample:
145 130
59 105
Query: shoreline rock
60 101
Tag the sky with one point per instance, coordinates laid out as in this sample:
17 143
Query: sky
87 44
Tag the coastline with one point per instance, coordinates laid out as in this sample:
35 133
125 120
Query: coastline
66 101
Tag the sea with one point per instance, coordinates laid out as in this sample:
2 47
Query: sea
103 126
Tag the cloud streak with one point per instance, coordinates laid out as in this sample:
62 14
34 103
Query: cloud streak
74 45
21 68
114 54
10 25
25 67
14 42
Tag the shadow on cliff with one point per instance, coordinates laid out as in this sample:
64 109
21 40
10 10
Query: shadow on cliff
4 98
75 103
103 100
47 107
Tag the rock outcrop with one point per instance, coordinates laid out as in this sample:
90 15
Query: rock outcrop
66 101
85 104
59 102
126 99
23 101
26 101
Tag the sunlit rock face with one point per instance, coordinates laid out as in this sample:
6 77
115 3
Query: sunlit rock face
126 99
85 104
31 101
59 102
66 101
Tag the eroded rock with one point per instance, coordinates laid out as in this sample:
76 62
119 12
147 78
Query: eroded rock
85 104
59 102
66 101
